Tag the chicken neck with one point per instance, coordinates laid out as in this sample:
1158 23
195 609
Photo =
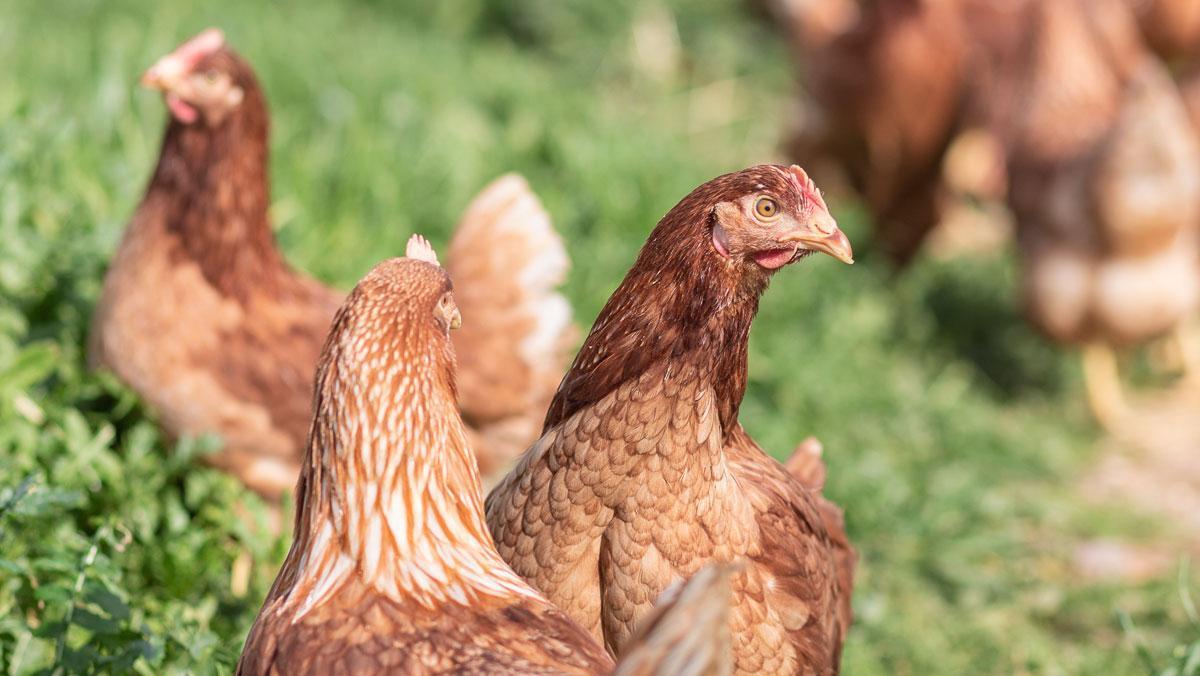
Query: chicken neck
671 344
687 312
214 181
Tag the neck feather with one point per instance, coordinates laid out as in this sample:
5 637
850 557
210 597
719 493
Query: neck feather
392 493
681 302
216 184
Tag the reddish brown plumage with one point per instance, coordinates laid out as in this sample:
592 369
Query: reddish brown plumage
1171 27
643 473
805 465
886 83
202 316
392 569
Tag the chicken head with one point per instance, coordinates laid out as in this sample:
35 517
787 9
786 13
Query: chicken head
199 80
779 218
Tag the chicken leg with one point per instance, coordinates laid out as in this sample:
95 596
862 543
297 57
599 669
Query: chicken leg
1186 339
1102 380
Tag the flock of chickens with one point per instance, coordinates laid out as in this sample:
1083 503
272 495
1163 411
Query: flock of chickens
642 532
1090 114
634 526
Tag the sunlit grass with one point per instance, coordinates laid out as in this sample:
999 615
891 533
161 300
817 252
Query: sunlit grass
954 435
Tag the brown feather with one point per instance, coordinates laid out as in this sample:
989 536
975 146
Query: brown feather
688 632
805 465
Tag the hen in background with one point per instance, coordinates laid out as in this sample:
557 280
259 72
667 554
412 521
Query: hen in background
1171 27
1072 119
205 320
884 84
392 569
1104 174
506 261
643 473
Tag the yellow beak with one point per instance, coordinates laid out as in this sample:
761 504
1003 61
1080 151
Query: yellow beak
822 234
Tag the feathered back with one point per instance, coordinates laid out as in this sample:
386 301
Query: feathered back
392 568
507 262
376 475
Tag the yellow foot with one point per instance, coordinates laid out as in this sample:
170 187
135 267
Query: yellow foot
1102 380
1187 341
239 575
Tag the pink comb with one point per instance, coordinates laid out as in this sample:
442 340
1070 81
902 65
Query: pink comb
807 186
420 249
185 57
191 52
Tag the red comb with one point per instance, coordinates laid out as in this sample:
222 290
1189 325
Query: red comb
191 52
806 185
420 249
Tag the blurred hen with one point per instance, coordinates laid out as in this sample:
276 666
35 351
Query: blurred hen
1104 169
202 316
885 85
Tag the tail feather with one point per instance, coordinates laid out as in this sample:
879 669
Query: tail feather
507 263
806 466
688 633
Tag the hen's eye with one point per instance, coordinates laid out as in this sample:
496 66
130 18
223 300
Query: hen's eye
766 207
210 76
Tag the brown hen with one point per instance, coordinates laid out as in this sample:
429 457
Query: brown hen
392 569
643 473
202 316
1104 169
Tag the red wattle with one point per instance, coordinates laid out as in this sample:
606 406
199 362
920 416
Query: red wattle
773 259
182 111
718 240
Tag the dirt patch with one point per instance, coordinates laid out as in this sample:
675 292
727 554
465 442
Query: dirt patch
1151 462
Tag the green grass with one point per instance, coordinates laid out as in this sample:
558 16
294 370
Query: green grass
954 436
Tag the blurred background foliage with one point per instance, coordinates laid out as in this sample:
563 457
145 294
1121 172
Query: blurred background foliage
953 434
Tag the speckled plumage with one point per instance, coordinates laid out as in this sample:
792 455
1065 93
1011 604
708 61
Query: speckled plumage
643 473
392 569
